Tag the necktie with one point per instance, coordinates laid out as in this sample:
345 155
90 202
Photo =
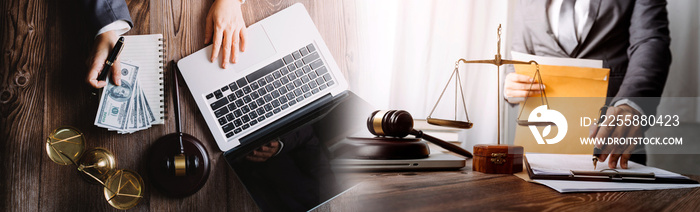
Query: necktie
567 27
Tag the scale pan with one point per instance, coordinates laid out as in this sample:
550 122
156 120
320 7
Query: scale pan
535 123
450 123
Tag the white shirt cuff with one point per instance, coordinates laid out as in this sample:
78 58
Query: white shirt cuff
120 27
514 100
630 103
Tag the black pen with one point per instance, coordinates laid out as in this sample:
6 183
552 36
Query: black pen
597 152
111 58
109 62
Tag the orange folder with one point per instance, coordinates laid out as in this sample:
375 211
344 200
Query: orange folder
575 92
569 81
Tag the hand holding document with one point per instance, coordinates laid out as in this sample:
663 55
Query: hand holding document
124 108
567 77
517 85
574 88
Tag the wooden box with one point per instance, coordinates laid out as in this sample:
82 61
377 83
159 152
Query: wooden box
497 159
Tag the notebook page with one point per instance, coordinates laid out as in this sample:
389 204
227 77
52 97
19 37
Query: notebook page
146 51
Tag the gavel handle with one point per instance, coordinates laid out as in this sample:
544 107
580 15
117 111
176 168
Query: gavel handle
448 146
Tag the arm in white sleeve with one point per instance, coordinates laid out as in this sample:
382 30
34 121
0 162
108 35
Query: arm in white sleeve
120 27
629 103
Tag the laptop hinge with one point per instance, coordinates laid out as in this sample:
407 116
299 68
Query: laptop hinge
306 115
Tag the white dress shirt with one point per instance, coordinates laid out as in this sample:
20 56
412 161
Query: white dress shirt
119 26
581 9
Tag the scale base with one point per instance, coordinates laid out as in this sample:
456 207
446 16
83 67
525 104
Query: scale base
497 159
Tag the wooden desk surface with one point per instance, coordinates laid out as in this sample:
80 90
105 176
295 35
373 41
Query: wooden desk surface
466 190
44 49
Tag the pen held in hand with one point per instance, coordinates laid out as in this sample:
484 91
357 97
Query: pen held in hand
109 62
597 152
596 155
111 58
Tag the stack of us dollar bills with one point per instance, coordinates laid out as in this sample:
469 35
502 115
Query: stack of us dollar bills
124 108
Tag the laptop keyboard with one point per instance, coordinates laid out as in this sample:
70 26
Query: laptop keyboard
270 90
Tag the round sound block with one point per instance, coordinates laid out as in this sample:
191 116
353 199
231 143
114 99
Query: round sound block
381 148
169 184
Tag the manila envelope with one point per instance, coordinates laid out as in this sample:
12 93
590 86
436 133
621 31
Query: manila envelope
575 92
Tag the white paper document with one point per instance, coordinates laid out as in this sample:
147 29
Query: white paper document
557 61
567 186
562 164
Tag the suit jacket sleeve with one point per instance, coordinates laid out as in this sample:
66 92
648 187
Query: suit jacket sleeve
103 12
649 54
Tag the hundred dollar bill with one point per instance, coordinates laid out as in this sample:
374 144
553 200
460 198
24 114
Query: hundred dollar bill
144 112
131 114
140 120
133 124
140 123
116 101
149 113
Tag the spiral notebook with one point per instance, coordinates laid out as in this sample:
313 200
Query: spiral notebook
148 52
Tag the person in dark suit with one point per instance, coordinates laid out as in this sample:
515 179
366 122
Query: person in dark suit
630 37
108 19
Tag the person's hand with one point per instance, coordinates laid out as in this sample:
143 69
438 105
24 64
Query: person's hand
100 50
264 152
621 152
226 27
517 85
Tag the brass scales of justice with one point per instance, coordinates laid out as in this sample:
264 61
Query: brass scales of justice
498 61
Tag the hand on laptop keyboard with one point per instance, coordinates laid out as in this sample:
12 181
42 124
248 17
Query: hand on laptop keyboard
226 27
268 91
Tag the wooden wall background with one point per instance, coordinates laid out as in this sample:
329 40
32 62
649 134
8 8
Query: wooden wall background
44 48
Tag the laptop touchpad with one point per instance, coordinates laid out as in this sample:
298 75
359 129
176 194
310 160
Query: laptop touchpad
258 47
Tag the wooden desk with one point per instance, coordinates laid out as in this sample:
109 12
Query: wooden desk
466 190
44 49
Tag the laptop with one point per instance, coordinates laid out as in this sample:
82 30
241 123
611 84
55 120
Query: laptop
439 161
285 75
351 156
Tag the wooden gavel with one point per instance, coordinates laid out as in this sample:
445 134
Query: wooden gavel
399 123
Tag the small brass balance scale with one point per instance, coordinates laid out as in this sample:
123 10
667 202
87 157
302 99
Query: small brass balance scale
123 189
497 154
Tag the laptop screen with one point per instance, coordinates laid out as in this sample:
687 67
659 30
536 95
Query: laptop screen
292 172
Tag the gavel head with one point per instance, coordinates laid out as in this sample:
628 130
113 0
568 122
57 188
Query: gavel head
181 164
397 123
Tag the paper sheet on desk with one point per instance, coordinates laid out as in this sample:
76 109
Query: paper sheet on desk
552 164
565 186
562 164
